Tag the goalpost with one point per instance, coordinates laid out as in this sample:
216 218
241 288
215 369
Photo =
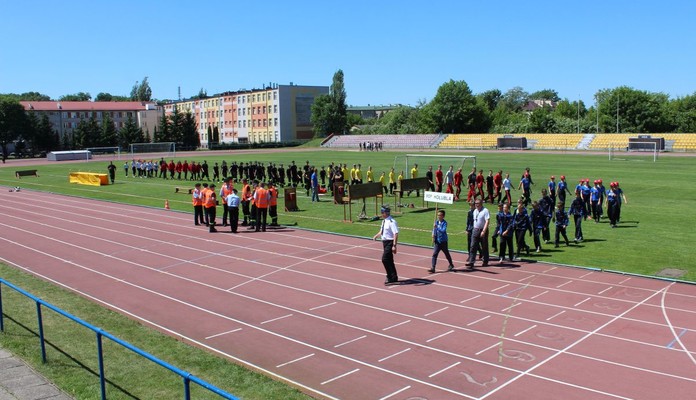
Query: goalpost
406 161
642 148
99 151
160 147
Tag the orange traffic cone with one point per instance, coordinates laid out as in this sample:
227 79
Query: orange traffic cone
166 204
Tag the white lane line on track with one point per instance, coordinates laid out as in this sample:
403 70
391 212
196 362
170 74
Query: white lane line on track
340 376
436 311
496 344
444 369
394 355
362 295
350 341
439 336
395 393
223 333
555 315
478 320
322 306
395 325
294 361
276 319
526 330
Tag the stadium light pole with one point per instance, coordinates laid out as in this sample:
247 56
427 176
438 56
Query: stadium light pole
617 114
578 113
597 111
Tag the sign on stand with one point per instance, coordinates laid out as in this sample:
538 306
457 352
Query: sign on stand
437 197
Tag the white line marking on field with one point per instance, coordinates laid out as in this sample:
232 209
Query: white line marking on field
528 277
276 319
544 292
577 304
478 320
606 290
475 297
395 393
364 294
395 325
351 341
550 269
444 369
555 315
439 336
625 280
488 348
498 288
526 330
563 284
587 274
341 376
325 305
394 355
436 311
223 333
295 360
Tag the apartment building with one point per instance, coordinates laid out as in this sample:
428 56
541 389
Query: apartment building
276 113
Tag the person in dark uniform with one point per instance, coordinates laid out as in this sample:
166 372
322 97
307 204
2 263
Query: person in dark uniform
561 224
505 231
521 224
389 233
112 171
440 241
233 202
577 210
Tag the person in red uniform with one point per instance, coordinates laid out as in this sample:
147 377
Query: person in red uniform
185 168
498 185
172 168
458 179
179 168
480 180
438 179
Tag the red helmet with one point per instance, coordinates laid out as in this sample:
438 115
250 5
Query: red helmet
562 176
553 176
599 181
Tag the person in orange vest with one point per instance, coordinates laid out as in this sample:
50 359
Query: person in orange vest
246 197
273 204
204 192
225 191
210 205
262 199
197 205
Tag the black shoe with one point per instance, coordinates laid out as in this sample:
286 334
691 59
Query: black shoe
450 268
469 264
196 224
431 270
213 230
485 264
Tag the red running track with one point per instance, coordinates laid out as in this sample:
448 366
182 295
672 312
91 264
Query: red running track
310 308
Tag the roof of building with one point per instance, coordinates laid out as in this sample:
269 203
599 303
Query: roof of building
86 105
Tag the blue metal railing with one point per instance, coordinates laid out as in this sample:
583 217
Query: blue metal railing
186 376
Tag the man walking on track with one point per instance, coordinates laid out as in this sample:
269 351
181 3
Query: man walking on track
479 236
389 233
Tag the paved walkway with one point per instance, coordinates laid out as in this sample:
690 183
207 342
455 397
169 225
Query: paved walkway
20 382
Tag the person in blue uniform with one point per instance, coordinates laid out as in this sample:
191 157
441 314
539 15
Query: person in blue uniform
440 240
546 204
522 226
552 189
506 231
561 218
562 190
496 232
538 221
577 210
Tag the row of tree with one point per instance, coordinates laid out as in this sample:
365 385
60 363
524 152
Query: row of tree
455 109
141 91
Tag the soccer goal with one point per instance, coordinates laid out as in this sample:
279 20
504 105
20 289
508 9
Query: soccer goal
634 151
114 151
168 148
406 162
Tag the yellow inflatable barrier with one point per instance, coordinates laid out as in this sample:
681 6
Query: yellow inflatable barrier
89 178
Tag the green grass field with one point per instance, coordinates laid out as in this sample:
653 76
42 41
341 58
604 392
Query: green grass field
655 233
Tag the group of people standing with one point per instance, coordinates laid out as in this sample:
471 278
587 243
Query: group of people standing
258 200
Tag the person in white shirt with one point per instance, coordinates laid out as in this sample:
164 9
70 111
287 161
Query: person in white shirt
389 233
507 186
479 236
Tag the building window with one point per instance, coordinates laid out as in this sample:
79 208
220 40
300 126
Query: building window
275 122
275 108
275 95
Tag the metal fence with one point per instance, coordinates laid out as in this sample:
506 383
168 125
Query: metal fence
187 377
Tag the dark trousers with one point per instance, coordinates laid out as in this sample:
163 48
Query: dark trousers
234 218
198 215
225 212
506 244
578 226
612 211
521 243
537 238
245 211
560 230
210 217
441 246
261 214
596 211
273 213
478 244
388 261
546 233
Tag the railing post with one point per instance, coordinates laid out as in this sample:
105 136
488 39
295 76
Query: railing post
41 332
187 387
2 319
100 357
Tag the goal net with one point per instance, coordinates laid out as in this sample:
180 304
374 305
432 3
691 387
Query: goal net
114 152
168 148
634 151
406 162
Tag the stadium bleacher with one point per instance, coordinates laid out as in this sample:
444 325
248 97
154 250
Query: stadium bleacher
490 140
388 141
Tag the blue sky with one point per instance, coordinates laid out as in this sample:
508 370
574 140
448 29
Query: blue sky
390 51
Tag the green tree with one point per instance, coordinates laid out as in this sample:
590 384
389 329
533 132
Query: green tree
632 110
491 98
216 135
13 123
455 109
141 91
545 94
109 135
189 131
104 97
130 133
541 120
81 96
330 112
163 131
683 114
514 99
28 96
46 137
